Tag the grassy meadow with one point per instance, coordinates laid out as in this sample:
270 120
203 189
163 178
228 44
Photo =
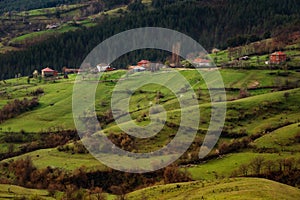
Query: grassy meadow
242 188
271 114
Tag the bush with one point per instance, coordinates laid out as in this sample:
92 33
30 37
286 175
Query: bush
17 107
172 174
37 92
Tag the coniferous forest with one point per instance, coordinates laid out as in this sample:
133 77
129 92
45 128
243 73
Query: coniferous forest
218 23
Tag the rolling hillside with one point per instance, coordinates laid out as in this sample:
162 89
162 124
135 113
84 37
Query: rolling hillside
244 188
264 125
43 155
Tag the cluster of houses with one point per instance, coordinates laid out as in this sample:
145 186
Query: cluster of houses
145 65
48 72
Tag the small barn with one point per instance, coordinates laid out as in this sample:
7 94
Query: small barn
48 72
277 57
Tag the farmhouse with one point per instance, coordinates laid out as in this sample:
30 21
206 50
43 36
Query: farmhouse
47 72
144 63
277 57
199 62
104 68
137 68
70 71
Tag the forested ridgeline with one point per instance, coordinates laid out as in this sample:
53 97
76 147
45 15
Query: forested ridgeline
219 23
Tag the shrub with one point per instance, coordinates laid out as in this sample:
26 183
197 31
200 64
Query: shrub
17 107
37 92
172 174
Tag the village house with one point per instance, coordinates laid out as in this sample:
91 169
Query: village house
104 68
66 70
277 57
144 63
199 62
48 72
52 26
136 68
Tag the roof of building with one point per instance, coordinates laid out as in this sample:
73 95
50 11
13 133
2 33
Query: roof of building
143 62
48 70
278 53
200 60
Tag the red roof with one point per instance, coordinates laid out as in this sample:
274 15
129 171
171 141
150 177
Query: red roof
143 62
48 70
200 60
278 53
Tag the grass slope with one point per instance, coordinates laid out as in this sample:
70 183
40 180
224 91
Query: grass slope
270 110
16 192
52 157
223 167
282 139
242 188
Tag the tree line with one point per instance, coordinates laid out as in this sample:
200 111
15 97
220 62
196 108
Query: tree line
23 172
212 24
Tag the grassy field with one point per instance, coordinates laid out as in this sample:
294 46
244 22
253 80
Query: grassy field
42 35
282 139
225 166
273 114
51 11
16 192
53 158
264 111
58 97
256 61
243 188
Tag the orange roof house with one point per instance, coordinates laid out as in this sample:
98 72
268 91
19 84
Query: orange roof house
48 72
144 63
199 62
136 68
277 57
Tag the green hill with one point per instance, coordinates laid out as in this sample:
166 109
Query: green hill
243 188
16 192
261 113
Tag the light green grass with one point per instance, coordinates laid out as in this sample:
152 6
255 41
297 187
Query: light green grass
282 139
223 167
14 192
242 188
31 36
53 158
50 11
59 95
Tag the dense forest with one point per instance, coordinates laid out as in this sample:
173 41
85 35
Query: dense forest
218 23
